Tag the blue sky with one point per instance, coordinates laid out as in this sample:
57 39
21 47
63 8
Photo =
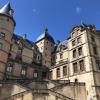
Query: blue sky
32 16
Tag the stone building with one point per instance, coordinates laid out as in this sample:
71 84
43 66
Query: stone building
78 59
46 70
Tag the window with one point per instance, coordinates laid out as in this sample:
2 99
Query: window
76 80
73 43
23 72
51 74
35 75
80 51
1 45
75 68
95 50
92 39
46 48
38 57
40 42
56 98
74 53
2 35
47 42
45 61
64 70
61 55
19 54
73 34
58 72
35 55
9 67
98 64
81 64
79 40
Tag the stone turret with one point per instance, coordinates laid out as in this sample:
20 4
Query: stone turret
7 25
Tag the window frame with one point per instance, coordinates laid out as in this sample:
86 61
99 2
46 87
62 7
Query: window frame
35 74
79 40
58 72
80 52
65 70
9 68
74 53
75 70
95 51
61 55
24 69
73 42
82 66
97 64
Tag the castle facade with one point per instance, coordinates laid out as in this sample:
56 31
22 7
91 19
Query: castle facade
76 60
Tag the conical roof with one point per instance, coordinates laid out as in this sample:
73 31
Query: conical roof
7 10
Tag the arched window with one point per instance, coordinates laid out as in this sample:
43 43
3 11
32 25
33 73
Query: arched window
76 80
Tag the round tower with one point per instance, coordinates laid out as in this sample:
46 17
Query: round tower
7 25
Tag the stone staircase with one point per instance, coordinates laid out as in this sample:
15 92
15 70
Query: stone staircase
21 94
41 87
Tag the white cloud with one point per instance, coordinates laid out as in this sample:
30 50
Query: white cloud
78 9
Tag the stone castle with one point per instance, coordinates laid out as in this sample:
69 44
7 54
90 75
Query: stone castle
45 69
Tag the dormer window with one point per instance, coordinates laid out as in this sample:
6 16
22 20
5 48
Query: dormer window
73 34
61 55
11 12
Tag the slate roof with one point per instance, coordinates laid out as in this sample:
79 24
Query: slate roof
7 10
25 42
45 35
